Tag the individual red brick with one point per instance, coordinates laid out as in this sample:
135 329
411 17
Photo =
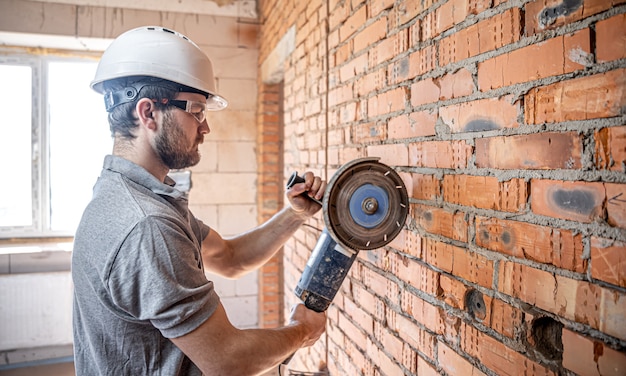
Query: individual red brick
356 66
418 276
388 48
425 91
481 115
485 192
438 254
589 304
417 124
541 151
341 55
549 14
587 356
415 336
422 61
390 154
608 261
378 6
352 331
616 204
485 36
472 267
388 366
358 315
505 361
439 154
424 368
354 22
408 10
413 246
425 187
370 35
390 342
369 83
505 318
455 85
425 313
547 245
451 13
339 13
380 285
453 363
497 356
409 359
438 221
560 55
452 292
611 38
449 86
533 286
387 102
592 97
448 326
369 132
610 148
575 201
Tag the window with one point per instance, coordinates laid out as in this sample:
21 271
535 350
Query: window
53 138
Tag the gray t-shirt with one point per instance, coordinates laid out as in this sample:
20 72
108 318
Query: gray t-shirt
138 276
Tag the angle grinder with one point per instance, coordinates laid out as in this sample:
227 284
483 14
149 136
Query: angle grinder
365 206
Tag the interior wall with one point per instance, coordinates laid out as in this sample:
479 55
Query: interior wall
506 122
224 183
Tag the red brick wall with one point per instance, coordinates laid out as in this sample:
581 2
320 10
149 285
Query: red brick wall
506 121
270 197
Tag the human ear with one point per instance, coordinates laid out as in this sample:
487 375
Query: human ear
145 112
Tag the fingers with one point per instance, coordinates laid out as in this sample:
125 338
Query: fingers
314 185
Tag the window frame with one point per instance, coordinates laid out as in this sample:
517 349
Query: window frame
38 60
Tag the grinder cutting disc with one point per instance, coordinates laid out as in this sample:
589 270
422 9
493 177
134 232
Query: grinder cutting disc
365 205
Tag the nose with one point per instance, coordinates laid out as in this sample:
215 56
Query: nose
204 127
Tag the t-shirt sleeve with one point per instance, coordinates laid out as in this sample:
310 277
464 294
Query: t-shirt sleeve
157 276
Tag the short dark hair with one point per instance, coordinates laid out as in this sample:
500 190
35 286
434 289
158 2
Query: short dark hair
122 117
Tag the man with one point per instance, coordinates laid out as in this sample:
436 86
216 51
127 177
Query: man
142 303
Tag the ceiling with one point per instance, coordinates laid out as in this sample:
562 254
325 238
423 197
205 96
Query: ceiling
225 8
232 8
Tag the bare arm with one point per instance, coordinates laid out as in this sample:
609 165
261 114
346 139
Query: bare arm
235 256
218 348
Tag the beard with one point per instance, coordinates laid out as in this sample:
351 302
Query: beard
172 148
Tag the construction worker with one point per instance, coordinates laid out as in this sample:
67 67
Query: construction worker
142 302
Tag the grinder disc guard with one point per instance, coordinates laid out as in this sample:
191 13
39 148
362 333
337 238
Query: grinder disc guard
365 205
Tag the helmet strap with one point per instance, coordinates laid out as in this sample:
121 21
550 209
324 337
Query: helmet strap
130 93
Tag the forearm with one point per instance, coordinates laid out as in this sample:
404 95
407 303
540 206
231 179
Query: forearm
218 348
263 349
234 256
258 245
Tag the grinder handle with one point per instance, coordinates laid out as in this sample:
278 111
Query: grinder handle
295 179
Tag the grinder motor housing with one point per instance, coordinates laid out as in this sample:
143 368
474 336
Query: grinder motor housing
365 207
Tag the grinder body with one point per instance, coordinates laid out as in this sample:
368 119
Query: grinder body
324 273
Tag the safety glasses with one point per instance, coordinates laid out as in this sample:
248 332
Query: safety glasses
197 109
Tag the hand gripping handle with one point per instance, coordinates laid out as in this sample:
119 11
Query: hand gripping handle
295 179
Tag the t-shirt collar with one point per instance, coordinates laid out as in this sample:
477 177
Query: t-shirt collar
142 177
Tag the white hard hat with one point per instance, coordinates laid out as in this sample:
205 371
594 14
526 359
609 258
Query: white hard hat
155 51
